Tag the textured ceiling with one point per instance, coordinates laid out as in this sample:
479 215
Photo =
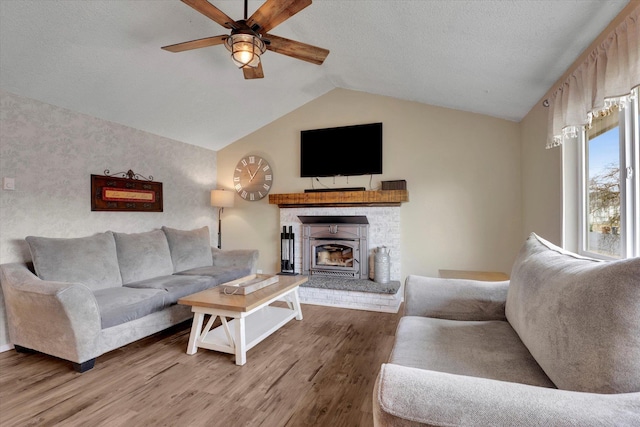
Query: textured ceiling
103 58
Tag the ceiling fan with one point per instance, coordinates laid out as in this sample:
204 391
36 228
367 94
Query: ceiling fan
249 37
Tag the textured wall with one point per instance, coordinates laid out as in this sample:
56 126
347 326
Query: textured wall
51 152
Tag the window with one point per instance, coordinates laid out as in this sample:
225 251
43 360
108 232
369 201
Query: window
609 203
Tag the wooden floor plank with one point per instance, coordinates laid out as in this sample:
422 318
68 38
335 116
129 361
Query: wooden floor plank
315 372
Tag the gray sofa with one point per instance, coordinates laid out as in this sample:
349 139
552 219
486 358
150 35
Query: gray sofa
557 345
91 295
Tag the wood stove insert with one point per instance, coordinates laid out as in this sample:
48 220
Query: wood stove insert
335 246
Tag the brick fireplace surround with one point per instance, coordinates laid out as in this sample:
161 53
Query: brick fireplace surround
384 230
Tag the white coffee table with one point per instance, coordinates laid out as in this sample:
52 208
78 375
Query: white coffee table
252 318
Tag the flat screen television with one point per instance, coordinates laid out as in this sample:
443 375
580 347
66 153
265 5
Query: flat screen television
341 151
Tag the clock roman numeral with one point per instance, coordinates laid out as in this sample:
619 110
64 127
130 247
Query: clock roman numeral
252 196
266 186
238 187
260 194
268 177
252 159
244 194
236 179
266 168
244 162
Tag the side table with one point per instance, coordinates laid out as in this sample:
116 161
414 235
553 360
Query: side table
487 276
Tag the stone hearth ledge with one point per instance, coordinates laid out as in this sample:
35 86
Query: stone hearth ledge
351 293
347 284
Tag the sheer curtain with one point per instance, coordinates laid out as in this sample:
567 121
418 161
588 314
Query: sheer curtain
601 83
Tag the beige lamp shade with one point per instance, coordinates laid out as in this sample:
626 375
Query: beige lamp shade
222 199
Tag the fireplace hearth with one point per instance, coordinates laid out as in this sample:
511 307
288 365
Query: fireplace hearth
347 292
335 246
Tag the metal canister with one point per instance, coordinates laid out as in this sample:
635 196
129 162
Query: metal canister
382 265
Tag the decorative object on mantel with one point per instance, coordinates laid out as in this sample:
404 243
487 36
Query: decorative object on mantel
399 184
249 37
340 198
221 199
125 192
287 251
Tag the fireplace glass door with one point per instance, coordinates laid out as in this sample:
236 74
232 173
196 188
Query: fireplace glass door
334 255
335 246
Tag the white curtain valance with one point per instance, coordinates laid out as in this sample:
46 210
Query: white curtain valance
605 80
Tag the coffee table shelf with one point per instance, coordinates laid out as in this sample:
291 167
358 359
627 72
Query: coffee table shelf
259 326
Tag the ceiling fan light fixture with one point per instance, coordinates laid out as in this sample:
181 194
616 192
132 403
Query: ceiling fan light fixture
245 49
250 37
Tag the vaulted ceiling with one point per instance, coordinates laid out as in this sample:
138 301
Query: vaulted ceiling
103 58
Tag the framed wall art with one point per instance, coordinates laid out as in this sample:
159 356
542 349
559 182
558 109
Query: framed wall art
125 192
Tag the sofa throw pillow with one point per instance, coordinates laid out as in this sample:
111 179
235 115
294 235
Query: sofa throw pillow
143 255
579 317
189 248
91 261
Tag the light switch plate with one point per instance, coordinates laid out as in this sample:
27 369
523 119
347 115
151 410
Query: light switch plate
8 183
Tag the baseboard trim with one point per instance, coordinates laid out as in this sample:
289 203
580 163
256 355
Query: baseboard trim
6 347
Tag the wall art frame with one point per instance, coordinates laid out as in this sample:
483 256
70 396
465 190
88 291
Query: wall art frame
125 192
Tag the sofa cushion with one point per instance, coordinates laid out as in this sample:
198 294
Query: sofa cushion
123 304
176 286
579 318
189 248
485 349
143 255
219 274
91 260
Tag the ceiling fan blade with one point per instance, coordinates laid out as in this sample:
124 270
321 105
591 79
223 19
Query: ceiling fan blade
294 49
274 12
253 73
196 44
212 12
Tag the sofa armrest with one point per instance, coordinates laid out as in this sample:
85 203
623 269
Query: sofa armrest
56 318
245 258
455 299
406 396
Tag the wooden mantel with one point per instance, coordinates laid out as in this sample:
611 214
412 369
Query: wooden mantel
340 198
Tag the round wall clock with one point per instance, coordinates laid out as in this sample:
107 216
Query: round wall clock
252 178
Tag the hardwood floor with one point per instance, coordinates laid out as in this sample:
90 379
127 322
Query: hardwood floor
315 372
